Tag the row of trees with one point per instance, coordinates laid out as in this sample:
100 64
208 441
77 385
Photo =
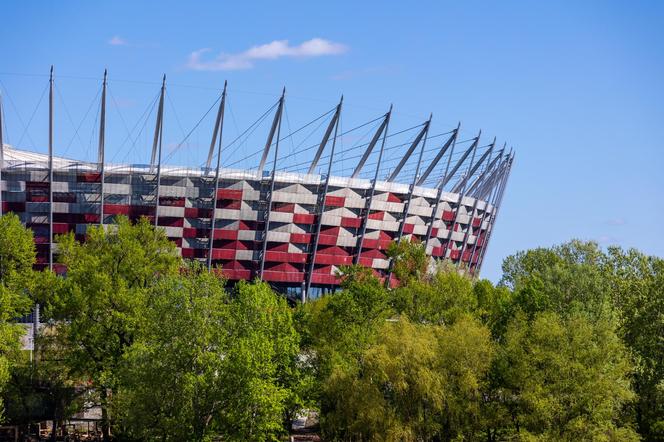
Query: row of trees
569 346
160 344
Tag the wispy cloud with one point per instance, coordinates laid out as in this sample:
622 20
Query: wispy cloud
608 240
116 40
616 222
316 47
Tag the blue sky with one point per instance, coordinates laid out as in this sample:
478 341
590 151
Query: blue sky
575 87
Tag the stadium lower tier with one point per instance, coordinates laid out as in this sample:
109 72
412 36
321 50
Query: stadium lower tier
185 205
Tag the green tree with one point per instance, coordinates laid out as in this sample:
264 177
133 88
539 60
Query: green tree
337 328
172 375
638 290
12 305
562 372
565 379
440 298
564 279
17 256
624 287
260 363
414 383
43 389
99 304
409 260
393 392
17 250
495 306
204 364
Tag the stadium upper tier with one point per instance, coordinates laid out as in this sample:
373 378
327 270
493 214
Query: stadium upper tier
293 230
458 231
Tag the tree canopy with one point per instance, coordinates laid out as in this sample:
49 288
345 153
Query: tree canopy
568 346
540 357
98 306
204 362
17 256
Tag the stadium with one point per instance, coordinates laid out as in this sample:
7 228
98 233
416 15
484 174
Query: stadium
291 228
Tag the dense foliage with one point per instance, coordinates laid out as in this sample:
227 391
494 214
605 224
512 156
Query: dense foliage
569 346
204 363
17 255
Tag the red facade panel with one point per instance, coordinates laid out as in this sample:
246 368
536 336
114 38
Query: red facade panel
236 274
229 194
90 218
225 234
277 276
366 262
223 253
376 243
61 228
283 207
334 250
374 254
304 218
327 240
229 204
300 238
318 278
116 209
351 222
300 258
195 212
335 201
323 258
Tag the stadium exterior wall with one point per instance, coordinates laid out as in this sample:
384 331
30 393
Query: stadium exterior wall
184 211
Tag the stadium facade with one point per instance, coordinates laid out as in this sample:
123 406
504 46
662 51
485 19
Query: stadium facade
293 230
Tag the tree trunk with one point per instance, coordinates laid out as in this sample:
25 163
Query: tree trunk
105 423
54 430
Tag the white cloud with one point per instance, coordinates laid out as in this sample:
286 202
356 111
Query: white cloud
116 40
316 47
